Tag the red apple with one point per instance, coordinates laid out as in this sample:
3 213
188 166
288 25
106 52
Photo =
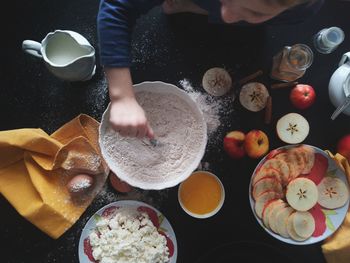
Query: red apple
302 96
256 144
343 146
234 144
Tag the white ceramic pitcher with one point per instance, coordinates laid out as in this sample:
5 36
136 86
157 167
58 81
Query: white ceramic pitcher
67 54
339 84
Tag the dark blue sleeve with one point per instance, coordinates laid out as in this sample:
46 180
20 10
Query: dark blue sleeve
115 21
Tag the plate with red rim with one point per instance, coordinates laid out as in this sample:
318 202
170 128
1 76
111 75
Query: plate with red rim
327 221
158 219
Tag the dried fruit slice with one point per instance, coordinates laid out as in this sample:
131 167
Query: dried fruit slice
281 221
273 216
294 160
253 96
292 168
268 208
217 81
263 199
266 172
279 165
292 128
332 193
302 194
304 224
266 184
291 230
309 157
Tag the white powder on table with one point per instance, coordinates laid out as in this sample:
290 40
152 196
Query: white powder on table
176 127
216 111
209 108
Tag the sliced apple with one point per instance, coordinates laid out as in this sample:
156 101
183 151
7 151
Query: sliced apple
263 199
253 96
292 128
268 208
266 172
217 81
273 216
332 193
281 221
291 230
294 160
304 224
308 154
302 194
279 165
266 184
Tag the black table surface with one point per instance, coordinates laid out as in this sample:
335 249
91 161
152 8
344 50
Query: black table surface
169 49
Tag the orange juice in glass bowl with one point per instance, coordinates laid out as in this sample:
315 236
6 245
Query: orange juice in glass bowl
201 195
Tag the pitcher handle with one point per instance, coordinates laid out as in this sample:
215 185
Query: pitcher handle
344 58
32 47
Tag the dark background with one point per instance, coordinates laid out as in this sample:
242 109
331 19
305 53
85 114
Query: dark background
170 49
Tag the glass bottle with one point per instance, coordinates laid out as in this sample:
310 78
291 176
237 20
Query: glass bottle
328 39
291 62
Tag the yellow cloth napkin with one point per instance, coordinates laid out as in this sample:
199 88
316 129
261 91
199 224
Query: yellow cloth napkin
336 248
35 167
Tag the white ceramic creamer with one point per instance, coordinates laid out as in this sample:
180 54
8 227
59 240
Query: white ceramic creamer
67 54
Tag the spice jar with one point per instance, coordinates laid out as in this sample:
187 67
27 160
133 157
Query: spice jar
291 62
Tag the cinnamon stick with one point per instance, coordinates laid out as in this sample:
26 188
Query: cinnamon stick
268 110
284 85
250 77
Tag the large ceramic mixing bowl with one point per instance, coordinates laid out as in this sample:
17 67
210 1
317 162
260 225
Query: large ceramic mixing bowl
171 92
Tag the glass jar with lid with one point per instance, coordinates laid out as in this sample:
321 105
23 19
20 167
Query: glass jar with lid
291 62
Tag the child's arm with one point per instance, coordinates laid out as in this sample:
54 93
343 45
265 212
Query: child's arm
126 116
115 21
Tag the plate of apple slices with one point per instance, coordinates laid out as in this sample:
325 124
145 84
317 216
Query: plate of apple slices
299 194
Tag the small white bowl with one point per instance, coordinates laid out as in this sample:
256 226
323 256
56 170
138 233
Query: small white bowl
210 214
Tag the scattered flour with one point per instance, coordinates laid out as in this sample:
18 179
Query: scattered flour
177 128
130 237
84 183
216 110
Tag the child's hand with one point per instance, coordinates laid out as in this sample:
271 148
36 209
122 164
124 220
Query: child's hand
128 118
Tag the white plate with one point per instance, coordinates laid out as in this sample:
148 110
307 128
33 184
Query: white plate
164 226
334 217
170 90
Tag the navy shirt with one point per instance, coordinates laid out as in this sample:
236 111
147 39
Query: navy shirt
116 19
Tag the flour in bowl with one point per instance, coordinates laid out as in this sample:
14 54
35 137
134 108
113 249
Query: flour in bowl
180 132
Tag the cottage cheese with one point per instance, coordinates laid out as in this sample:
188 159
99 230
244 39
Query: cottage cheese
129 236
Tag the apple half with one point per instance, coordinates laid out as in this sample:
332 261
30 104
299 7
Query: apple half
217 81
253 96
302 194
332 193
292 128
